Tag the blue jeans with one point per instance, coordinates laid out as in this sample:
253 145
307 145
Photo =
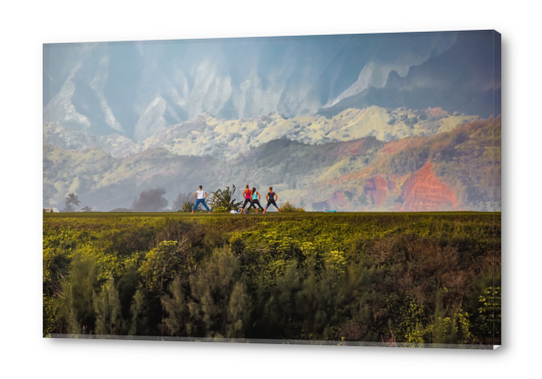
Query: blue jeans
201 201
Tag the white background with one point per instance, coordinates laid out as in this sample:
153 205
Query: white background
25 26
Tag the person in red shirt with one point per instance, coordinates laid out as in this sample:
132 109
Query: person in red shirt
246 196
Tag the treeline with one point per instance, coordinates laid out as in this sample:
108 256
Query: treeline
393 279
153 200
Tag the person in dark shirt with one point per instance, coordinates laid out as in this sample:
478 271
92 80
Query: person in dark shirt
271 198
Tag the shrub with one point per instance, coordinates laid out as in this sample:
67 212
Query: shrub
391 278
488 320
188 207
224 199
288 207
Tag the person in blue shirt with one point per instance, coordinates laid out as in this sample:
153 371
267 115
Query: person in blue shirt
255 200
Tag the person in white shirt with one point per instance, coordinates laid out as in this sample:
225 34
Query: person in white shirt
200 198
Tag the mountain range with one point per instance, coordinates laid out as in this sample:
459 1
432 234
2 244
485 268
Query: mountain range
226 139
457 169
383 122
137 88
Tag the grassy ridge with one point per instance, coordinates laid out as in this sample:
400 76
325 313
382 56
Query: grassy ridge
394 277
276 215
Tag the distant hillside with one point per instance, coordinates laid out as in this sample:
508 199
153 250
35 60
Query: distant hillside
106 183
457 169
225 139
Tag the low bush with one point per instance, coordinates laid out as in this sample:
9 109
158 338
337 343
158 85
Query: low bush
188 206
289 207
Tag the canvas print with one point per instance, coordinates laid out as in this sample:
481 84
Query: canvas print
327 190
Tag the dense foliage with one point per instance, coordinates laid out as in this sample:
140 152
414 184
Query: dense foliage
223 200
289 207
151 200
392 278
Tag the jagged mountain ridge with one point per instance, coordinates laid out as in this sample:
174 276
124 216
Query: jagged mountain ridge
137 88
465 78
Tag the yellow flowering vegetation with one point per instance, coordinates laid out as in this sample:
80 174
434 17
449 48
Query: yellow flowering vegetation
395 279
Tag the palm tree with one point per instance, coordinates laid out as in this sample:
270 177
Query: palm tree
225 199
72 199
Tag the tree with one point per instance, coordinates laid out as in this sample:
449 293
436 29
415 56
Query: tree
181 199
86 209
219 305
77 304
71 200
108 309
224 199
151 200
176 308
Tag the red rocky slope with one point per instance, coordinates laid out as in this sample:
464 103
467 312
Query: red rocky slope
377 189
423 191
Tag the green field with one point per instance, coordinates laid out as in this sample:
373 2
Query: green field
395 278
268 214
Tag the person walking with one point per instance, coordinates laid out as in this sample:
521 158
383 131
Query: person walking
200 199
246 195
255 200
271 198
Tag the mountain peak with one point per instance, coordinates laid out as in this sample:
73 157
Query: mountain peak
394 80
